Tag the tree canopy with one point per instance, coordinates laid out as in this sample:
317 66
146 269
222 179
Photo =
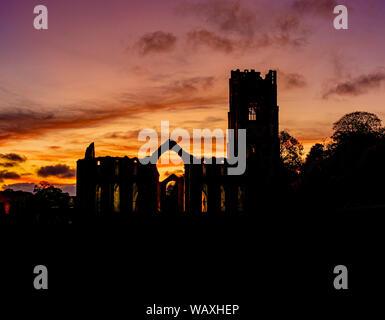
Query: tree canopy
291 151
48 196
357 124
347 172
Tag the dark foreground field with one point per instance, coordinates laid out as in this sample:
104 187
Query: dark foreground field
274 262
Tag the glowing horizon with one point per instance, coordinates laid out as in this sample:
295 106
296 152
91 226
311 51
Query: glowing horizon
107 69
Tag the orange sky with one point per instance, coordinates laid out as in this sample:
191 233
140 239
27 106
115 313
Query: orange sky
107 69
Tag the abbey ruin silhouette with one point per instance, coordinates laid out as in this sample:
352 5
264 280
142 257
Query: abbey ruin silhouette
122 185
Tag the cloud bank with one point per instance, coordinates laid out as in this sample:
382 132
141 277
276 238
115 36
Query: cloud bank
59 170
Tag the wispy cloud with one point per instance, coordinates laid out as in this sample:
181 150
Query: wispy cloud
226 15
246 26
292 80
356 86
203 37
93 113
59 170
13 157
4 174
317 7
156 42
37 122
189 85
8 165
11 160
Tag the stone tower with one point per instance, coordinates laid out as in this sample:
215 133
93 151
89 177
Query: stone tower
253 106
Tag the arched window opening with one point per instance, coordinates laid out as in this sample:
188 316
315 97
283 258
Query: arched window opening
253 108
170 188
204 198
116 198
241 197
135 197
252 113
170 163
98 198
223 199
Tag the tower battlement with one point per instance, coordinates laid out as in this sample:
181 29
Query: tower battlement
270 77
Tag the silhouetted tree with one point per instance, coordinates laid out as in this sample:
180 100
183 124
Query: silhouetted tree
353 134
346 173
316 153
357 124
291 152
52 203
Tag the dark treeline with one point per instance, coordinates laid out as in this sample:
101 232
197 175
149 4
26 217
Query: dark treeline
45 205
346 173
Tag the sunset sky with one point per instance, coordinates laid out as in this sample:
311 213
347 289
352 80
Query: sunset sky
106 69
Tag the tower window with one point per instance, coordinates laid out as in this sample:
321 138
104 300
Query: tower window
252 114
253 111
